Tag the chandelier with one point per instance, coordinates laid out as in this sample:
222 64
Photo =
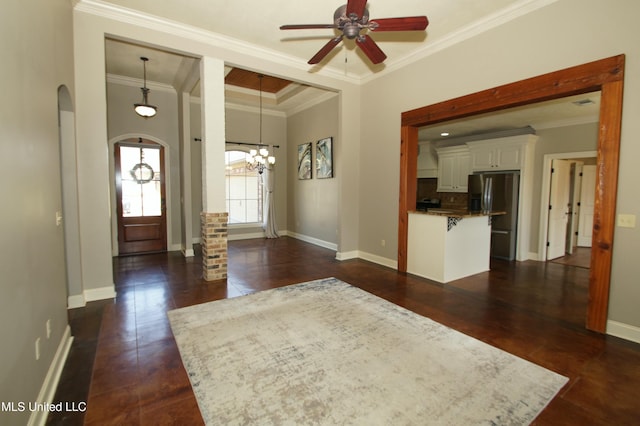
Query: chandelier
145 109
259 158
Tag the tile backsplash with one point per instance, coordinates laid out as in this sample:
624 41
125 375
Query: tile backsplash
427 188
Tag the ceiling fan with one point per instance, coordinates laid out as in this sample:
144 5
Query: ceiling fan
351 19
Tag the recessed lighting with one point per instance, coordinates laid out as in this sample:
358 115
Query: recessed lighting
444 134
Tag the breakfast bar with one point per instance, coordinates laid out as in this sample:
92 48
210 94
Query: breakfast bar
445 245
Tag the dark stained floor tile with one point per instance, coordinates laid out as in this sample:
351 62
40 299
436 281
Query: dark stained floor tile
125 362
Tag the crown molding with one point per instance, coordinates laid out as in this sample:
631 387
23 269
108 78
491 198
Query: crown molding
480 26
178 29
311 103
254 110
565 123
138 83
151 22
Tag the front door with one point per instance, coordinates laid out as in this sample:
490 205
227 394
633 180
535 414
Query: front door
140 197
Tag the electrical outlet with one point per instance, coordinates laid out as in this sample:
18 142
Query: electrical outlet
626 220
37 349
48 327
383 243
58 218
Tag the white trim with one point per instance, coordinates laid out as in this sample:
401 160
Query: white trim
142 20
544 195
384 261
347 255
311 103
136 82
312 240
101 293
188 253
50 384
76 301
189 32
245 236
623 331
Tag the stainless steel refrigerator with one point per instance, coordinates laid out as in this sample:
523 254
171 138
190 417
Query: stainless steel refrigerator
498 192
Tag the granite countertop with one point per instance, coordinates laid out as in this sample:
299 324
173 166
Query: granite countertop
460 213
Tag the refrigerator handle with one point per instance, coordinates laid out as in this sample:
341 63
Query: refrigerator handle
489 195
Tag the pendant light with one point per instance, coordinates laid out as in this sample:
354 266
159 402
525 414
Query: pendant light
260 158
145 109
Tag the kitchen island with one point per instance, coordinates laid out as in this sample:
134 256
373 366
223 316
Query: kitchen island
445 245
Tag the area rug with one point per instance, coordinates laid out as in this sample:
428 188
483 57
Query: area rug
325 352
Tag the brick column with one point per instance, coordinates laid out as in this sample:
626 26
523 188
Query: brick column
214 245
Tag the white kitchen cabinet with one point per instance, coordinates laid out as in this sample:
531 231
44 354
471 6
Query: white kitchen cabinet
499 154
427 161
453 169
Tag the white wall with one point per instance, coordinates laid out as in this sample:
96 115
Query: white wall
38 49
560 35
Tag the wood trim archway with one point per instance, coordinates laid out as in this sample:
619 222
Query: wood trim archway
606 75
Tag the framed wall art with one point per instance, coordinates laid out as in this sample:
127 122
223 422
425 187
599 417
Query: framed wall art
304 161
324 158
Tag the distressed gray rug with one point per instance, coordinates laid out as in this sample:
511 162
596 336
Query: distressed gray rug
325 352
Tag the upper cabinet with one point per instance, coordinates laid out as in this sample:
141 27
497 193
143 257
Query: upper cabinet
453 169
427 161
500 154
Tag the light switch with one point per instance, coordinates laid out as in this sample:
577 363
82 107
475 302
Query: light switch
58 218
626 220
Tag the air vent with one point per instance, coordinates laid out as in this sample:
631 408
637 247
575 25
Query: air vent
583 102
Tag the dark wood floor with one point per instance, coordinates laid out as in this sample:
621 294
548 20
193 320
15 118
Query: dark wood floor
124 361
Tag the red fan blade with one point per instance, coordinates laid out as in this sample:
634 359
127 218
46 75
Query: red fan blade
306 26
371 49
411 23
325 50
356 6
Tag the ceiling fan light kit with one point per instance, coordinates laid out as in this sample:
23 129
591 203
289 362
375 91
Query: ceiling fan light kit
352 19
145 109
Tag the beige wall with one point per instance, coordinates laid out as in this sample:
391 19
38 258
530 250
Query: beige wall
313 204
123 123
38 52
548 39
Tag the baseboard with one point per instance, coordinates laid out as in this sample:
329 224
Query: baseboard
384 261
50 384
187 252
312 240
76 301
623 331
99 293
347 255
245 236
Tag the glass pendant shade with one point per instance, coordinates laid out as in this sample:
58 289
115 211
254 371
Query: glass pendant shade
144 109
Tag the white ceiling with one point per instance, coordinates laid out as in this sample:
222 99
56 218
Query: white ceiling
257 22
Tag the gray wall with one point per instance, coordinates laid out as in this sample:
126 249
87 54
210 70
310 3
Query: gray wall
554 141
313 203
499 56
122 120
36 41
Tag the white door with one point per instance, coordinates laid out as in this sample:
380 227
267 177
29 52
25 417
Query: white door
574 205
587 201
558 208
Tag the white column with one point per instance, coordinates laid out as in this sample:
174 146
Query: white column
214 215
213 134
184 121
